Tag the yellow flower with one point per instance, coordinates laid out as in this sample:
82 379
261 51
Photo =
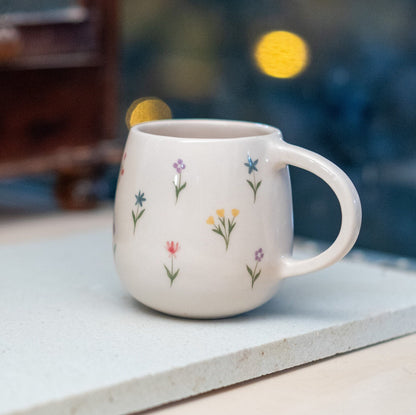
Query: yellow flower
235 212
210 220
220 213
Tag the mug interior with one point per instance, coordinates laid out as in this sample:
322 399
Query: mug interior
214 129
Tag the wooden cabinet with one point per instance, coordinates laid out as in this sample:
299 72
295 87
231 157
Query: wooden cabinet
58 76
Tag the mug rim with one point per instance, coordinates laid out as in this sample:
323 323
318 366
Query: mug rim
159 128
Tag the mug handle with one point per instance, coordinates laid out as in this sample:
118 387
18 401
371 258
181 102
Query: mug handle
348 199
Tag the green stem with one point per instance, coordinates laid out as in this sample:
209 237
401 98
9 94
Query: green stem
229 232
178 187
255 186
254 273
135 219
226 233
171 270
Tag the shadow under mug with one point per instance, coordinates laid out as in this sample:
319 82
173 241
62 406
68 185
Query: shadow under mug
203 222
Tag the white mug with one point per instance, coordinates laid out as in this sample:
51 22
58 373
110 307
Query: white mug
203 215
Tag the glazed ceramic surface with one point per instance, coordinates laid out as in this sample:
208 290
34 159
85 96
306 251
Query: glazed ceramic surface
203 215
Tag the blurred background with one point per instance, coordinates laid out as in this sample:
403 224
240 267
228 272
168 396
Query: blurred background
337 77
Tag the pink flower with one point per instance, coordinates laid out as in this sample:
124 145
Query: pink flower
172 248
179 166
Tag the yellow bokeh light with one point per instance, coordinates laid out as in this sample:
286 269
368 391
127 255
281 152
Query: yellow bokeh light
147 109
281 54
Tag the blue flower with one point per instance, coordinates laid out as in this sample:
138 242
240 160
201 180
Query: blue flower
251 165
140 199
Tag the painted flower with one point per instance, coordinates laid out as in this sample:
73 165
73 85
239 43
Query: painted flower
225 225
251 164
220 213
172 248
136 215
122 164
179 166
254 273
140 199
177 182
258 255
254 184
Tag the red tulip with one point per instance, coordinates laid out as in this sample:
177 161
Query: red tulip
172 248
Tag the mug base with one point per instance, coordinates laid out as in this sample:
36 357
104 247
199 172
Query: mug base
201 315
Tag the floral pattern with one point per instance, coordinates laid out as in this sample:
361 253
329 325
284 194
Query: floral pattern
179 166
122 164
172 248
254 274
225 225
140 199
122 170
252 168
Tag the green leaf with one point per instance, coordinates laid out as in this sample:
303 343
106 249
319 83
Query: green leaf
257 275
175 274
251 185
167 271
258 184
232 227
134 216
140 214
218 231
249 270
222 220
182 187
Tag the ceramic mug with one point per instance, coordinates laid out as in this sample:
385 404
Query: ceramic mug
203 215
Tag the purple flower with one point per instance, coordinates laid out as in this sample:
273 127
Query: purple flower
258 255
179 166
